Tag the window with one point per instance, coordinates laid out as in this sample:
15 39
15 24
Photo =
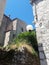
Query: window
22 29
13 35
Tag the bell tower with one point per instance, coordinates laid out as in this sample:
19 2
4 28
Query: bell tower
2 5
41 20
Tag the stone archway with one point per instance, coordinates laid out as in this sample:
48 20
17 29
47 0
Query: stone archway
41 20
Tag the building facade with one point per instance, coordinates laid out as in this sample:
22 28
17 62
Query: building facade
6 21
10 29
41 20
2 6
19 26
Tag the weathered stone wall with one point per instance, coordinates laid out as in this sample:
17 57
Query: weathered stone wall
15 27
19 26
5 24
7 38
2 5
14 57
42 29
2 30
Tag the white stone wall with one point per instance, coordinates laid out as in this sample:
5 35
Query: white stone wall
2 6
7 38
14 24
42 30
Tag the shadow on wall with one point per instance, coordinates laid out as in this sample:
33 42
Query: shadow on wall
36 1
43 60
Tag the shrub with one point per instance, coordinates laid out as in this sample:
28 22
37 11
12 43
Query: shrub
30 37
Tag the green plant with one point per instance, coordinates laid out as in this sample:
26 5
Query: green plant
30 37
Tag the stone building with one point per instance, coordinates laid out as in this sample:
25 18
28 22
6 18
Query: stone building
2 5
3 28
10 29
41 20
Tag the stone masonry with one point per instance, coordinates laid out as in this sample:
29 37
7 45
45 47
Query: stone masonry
6 26
10 29
2 4
41 20
16 27
17 57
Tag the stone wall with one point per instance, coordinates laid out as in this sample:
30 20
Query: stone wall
7 38
4 28
42 29
14 57
19 26
2 6
14 26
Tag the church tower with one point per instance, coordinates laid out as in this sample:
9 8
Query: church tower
2 5
41 20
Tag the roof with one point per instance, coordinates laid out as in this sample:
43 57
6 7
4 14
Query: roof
7 17
18 20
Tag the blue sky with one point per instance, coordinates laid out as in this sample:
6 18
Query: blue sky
21 9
